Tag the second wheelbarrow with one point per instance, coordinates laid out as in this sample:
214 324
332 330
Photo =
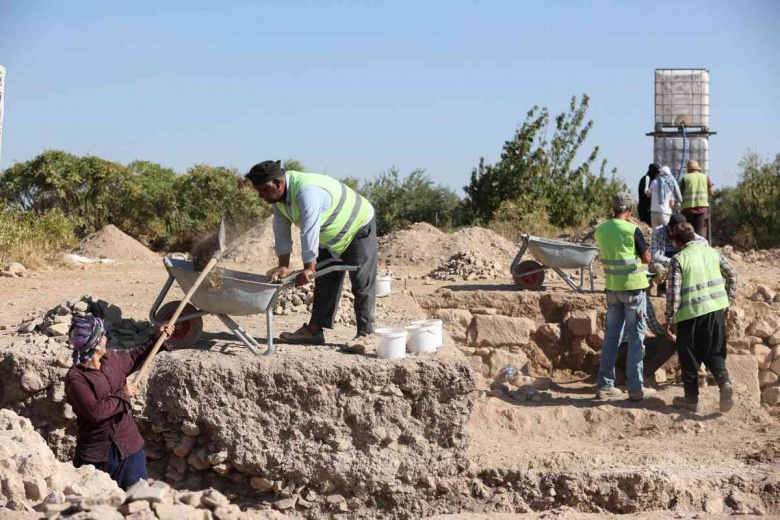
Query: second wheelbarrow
552 254
238 294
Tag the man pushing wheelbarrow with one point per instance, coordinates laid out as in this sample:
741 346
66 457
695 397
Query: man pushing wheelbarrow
334 222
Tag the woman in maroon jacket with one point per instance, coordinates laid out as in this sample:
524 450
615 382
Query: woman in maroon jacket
96 387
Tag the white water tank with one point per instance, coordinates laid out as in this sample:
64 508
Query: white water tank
668 151
682 96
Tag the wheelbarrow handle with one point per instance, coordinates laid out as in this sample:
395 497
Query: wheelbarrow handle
319 270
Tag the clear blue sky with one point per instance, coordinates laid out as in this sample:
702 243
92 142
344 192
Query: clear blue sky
352 88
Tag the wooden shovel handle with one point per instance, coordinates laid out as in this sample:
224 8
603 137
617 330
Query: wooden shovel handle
148 362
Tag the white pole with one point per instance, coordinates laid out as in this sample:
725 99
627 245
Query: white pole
2 105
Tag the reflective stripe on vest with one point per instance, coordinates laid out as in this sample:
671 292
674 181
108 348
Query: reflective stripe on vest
702 289
342 220
696 193
622 269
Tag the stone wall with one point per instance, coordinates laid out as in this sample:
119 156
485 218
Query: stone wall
313 432
545 331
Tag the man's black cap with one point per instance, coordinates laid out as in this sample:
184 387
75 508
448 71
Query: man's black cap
677 219
264 172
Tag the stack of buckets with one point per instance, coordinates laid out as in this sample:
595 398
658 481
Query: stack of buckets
420 336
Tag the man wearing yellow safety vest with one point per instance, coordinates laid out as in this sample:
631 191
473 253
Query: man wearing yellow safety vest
334 222
702 285
623 251
696 191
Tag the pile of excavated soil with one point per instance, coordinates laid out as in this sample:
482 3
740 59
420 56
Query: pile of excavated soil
422 243
256 247
111 242
587 234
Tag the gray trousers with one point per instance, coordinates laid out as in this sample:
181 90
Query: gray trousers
362 252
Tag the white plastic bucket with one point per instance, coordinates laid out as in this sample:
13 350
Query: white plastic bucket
383 285
422 338
390 342
437 325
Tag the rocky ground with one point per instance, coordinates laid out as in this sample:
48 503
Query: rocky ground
312 432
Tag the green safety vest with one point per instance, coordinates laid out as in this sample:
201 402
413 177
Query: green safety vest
703 289
341 221
697 193
622 269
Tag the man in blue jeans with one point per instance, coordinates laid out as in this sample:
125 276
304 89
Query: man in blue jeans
623 251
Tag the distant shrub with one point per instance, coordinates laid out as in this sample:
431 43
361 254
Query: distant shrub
29 239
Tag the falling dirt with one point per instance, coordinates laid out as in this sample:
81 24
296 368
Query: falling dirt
256 247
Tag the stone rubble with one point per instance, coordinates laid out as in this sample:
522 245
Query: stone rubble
299 300
52 325
762 340
33 480
13 270
468 266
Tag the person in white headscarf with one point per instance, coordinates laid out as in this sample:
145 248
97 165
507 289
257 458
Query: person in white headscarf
664 193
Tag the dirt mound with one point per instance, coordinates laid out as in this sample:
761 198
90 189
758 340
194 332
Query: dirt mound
111 242
256 247
769 454
587 234
422 243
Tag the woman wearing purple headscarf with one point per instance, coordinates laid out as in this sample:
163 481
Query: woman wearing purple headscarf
96 387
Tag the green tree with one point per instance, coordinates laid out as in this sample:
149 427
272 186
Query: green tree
748 214
537 171
204 194
93 192
294 165
154 209
415 198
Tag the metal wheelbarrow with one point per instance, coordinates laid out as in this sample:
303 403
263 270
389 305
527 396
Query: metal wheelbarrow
552 254
240 294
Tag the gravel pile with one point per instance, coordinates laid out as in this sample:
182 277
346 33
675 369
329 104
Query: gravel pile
50 327
468 266
299 300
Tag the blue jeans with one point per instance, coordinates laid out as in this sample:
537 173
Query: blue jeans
624 308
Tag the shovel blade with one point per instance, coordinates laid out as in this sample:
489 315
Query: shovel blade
222 235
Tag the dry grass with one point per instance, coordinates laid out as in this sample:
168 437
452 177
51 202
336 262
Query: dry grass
30 240
511 220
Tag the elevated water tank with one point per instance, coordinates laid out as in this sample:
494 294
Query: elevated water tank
682 96
668 151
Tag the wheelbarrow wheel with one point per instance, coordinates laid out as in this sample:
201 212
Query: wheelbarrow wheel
187 332
532 281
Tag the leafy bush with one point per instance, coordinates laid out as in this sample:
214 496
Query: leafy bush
204 194
537 174
143 199
399 201
91 191
28 239
748 215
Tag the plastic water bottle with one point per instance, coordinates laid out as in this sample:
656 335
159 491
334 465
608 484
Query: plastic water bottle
509 372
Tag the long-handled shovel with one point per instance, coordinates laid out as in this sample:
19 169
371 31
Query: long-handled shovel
163 336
